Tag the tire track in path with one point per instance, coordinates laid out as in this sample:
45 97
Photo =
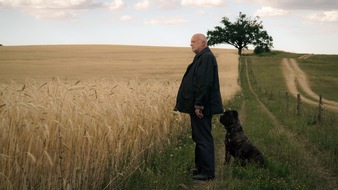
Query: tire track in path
295 78
305 56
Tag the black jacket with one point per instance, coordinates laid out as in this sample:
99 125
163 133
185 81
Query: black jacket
200 86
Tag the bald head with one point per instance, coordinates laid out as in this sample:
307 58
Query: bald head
200 37
198 43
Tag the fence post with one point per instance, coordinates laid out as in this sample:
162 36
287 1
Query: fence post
287 101
298 104
320 109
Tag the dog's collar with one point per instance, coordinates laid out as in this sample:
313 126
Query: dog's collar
235 129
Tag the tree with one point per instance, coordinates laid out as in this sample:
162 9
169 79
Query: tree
243 32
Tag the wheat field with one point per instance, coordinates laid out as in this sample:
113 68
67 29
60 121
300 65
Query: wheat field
87 116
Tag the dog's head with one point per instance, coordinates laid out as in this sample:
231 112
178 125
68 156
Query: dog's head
229 118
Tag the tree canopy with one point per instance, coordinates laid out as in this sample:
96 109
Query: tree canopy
243 32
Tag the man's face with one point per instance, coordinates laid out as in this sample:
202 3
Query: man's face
196 44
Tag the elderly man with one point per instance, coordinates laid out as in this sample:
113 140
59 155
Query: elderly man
199 96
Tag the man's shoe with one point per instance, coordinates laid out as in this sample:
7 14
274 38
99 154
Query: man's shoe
196 171
203 177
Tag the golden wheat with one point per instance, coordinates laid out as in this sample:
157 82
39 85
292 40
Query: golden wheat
63 134
106 116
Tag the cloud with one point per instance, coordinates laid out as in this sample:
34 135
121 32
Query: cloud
117 4
296 4
207 3
201 12
142 5
52 15
326 16
125 18
60 9
167 4
270 12
166 21
60 4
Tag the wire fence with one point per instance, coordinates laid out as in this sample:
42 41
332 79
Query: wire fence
315 113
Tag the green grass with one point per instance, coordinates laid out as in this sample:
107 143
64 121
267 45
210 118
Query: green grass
318 139
323 74
260 130
306 124
168 169
301 153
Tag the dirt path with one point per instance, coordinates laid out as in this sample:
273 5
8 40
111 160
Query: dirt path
305 56
228 72
298 141
296 79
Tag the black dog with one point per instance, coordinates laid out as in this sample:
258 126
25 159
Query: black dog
237 143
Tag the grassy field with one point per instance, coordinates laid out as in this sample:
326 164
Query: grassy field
99 117
88 117
301 152
95 62
92 62
323 74
307 145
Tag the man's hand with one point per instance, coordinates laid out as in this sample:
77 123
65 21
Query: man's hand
198 112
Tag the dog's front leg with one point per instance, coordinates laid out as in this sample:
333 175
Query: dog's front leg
227 152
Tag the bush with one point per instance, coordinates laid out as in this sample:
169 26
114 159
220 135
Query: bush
261 49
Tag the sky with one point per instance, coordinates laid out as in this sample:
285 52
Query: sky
298 26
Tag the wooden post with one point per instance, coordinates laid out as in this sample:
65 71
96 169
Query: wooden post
320 109
287 101
298 104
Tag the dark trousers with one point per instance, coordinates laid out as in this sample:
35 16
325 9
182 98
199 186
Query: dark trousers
204 144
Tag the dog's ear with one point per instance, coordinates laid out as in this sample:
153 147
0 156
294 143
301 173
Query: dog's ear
226 110
235 114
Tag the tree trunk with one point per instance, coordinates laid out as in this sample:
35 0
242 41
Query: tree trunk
240 51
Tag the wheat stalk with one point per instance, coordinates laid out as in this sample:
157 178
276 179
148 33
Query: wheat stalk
74 133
